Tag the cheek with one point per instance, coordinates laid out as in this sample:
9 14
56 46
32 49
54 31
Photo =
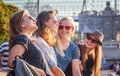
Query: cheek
59 32
88 44
53 29
68 31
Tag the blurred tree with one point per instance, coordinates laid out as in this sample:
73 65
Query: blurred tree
6 10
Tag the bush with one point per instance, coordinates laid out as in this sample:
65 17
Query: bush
6 10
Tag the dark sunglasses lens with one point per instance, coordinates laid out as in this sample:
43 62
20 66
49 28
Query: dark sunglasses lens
94 41
68 27
61 27
89 38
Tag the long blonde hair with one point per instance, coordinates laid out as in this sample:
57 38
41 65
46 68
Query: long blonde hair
97 56
58 41
98 60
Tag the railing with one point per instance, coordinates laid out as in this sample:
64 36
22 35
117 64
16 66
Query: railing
111 44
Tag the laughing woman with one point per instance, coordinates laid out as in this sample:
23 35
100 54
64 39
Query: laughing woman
66 50
91 54
47 30
22 26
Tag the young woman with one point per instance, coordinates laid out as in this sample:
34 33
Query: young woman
47 30
66 50
91 54
21 43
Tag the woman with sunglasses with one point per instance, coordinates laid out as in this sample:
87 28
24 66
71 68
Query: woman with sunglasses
91 54
22 43
66 50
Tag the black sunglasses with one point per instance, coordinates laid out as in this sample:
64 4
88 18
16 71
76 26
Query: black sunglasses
64 27
92 40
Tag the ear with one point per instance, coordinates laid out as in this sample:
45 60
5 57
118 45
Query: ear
46 23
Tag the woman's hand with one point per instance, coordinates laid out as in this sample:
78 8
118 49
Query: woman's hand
40 72
81 67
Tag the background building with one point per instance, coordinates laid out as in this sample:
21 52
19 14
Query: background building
107 21
92 14
65 7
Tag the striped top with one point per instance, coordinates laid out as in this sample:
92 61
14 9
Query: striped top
4 51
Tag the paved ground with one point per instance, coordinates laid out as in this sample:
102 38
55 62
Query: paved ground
103 73
108 73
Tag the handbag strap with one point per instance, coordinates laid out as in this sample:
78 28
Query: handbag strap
14 62
17 56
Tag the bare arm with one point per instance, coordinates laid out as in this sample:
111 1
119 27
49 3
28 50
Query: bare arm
16 50
75 67
19 50
1 57
57 71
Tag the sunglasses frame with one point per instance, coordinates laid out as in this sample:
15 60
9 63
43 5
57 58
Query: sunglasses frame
94 41
61 27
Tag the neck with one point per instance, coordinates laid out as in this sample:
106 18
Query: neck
65 43
29 35
88 50
65 40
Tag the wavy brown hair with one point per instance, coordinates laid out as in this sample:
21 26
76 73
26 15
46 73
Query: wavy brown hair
14 25
43 30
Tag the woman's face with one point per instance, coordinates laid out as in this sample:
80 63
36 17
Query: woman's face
65 29
28 22
91 42
53 23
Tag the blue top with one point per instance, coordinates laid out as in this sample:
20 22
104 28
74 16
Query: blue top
70 53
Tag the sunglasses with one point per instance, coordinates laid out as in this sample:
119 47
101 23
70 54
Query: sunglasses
31 18
64 27
92 40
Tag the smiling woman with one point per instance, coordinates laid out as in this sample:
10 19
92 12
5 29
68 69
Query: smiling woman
91 54
47 29
66 50
22 43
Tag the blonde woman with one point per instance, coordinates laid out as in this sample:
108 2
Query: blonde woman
91 54
66 50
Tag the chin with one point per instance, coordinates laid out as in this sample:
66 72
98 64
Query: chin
35 28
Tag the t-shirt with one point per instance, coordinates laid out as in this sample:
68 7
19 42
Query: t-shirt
48 52
70 53
89 62
33 55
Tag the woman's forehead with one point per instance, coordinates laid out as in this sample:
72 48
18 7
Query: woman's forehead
65 22
26 13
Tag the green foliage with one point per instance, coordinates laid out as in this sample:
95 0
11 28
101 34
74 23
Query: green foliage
6 11
75 38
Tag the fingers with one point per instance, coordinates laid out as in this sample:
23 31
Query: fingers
41 73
